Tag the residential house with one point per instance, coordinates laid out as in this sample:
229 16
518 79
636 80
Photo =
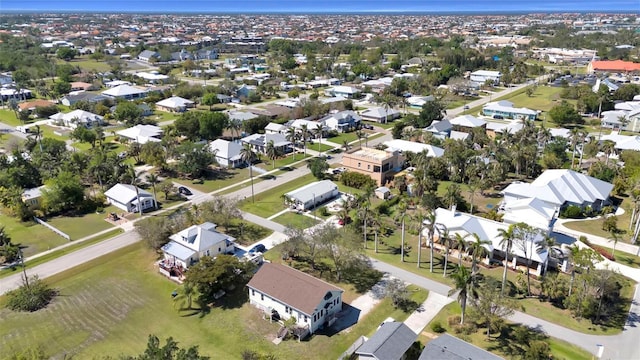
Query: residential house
343 91
275 128
495 128
241 116
467 224
448 347
404 146
148 56
311 195
175 104
342 121
380 165
181 55
142 134
6 79
282 293
614 119
390 342
417 102
246 90
69 100
612 66
31 105
466 123
77 118
380 114
482 76
504 109
7 94
623 142
560 188
440 129
227 153
533 211
458 135
382 192
152 77
125 197
126 92
32 197
81 86
258 142
224 99
189 245
205 54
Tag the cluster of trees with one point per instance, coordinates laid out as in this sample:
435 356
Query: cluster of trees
196 125
31 296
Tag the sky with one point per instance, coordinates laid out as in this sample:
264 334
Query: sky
322 6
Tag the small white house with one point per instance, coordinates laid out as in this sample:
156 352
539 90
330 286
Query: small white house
189 245
481 76
77 118
380 114
124 196
227 153
175 104
283 293
142 134
311 195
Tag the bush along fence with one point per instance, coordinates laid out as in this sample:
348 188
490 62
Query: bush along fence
42 222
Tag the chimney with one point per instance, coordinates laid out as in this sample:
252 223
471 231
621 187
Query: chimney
453 208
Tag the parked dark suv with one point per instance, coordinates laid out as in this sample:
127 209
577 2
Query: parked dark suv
184 191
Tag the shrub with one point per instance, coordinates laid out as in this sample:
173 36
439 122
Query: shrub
604 252
32 297
356 180
453 320
437 327
323 211
571 212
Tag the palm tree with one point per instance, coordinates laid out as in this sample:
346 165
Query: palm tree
234 126
360 135
248 156
272 152
345 145
363 214
135 181
37 135
465 285
460 243
319 130
420 218
575 138
583 138
506 241
432 227
185 296
376 223
608 147
477 250
153 180
445 239
614 237
304 134
292 136
402 207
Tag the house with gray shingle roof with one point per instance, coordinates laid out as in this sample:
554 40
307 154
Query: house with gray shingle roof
189 245
390 342
447 347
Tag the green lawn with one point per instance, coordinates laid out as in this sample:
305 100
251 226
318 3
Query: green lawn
61 252
624 258
387 125
544 98
323 147
9 117
109 141
34 236
266 163
595 226
105 308
7 140
78 227
270 202
47 131
349 136
294 220
219 179
559 349
87 64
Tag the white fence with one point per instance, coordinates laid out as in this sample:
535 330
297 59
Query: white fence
42 222
352 349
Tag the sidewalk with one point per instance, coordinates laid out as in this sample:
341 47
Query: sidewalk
594 239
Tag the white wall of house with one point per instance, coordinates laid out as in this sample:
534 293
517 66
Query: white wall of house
266 303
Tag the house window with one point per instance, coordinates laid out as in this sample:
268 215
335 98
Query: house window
262 297
306 319
287 309
359 164
253 292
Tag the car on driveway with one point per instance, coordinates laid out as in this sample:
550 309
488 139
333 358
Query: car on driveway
184 191
258 248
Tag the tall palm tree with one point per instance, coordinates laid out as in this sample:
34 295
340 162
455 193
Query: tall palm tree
319 130
419 217
153 180
363 214
614 237
583 138
135 182
460 243
272 152
445 239
345 145
402 207
360 135
506 241
292 136
234 125
248 156
36 132
465 285
304 135
185 296
575 138
608 147
432 228
477 250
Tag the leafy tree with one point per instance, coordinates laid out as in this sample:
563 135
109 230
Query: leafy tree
524 236
64 192
318 167
194 160
31 296
211 125
256 125
222 273
61 87
128 112
169 351
188 124
565 113
66 54
153 153
84 135
154 231
396 290
210 99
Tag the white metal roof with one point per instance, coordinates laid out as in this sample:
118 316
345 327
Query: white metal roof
315 189
414 147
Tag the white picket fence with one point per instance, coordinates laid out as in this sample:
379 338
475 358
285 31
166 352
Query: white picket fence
42 222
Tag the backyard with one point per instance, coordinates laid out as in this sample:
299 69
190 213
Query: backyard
294 220
35 237
270 202
105 307
79 226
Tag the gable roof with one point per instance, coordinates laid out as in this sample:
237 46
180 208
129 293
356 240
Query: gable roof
125 193
467 121
390 342
124 90
174 102
200 237
142 133
557 186
447 347
380 112
263 139
306 193
226 149
414 147
439 126
80 115
291 287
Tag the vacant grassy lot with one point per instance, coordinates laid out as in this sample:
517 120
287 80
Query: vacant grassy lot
320 147
219 179
87 64
8 140
268 164
110 305
109 142
295 220
9 117
270 202
559 349
80 226
339 140
34 236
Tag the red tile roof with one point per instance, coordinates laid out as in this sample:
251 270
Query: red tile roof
615 65
290 286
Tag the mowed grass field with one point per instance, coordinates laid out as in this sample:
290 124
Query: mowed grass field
109 307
